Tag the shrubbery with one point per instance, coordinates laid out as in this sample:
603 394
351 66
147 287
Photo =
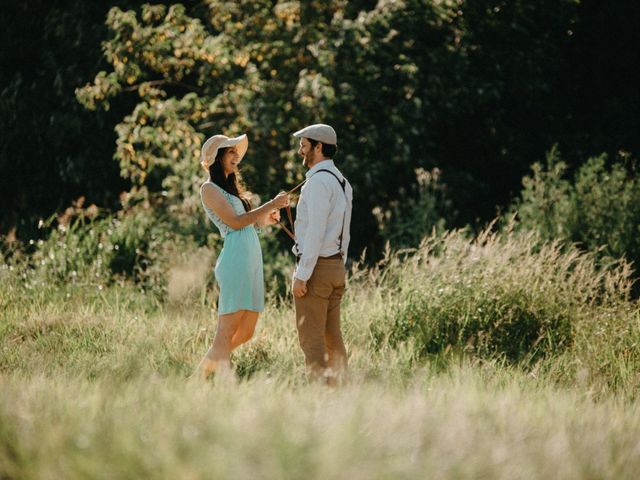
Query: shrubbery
165 255
140 246
505 296
411 217
598 208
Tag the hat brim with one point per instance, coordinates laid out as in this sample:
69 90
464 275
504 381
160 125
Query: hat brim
242 142
209 152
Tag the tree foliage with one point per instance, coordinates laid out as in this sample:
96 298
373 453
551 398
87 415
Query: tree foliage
479 90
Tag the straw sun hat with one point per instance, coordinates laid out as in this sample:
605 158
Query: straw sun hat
213 144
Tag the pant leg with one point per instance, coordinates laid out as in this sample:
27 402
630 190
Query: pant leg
311 320
337 353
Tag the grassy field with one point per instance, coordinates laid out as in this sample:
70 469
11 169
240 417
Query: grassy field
489 358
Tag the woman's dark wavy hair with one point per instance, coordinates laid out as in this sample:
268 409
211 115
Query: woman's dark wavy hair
232 184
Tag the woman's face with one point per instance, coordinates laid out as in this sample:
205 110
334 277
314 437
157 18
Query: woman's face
230 160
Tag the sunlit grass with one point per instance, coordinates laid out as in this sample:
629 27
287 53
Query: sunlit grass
94 382
473 422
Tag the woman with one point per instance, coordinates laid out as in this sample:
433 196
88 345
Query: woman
238 269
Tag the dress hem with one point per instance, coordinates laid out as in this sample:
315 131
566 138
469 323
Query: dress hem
238 309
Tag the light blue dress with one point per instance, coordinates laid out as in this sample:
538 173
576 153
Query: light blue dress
239 266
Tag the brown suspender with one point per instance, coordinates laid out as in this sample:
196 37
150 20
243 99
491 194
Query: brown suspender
343 185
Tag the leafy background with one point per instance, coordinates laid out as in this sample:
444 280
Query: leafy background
477 90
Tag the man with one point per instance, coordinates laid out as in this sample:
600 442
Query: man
323 216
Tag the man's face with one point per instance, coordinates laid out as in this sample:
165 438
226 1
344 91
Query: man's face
308 153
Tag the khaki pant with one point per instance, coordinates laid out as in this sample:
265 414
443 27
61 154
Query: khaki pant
318 321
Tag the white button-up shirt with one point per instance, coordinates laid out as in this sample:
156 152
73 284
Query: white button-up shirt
319 218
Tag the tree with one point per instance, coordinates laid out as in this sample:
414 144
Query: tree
52 151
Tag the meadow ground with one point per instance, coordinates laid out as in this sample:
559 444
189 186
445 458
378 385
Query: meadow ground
486 358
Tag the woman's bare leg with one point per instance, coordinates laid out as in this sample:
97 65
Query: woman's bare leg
217 358
245 329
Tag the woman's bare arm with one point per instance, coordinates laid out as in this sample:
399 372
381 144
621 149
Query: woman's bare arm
216 201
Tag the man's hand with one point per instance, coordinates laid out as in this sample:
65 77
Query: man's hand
299 288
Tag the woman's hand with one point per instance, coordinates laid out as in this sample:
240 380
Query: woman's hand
281 200
272 218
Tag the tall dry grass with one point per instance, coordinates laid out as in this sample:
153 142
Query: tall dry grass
492 357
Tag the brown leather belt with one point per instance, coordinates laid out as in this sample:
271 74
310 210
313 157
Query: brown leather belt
332 257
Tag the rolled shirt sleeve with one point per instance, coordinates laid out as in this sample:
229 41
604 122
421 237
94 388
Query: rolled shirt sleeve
318 207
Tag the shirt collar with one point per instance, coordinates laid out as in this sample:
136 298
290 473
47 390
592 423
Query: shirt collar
319 166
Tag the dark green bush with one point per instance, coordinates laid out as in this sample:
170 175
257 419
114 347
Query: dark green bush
139 246
506 324
598 208
501 295
413 215
144 246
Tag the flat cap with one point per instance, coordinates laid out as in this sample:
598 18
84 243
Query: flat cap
319 132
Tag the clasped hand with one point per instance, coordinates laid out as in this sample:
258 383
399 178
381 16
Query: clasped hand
273 217
281 200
